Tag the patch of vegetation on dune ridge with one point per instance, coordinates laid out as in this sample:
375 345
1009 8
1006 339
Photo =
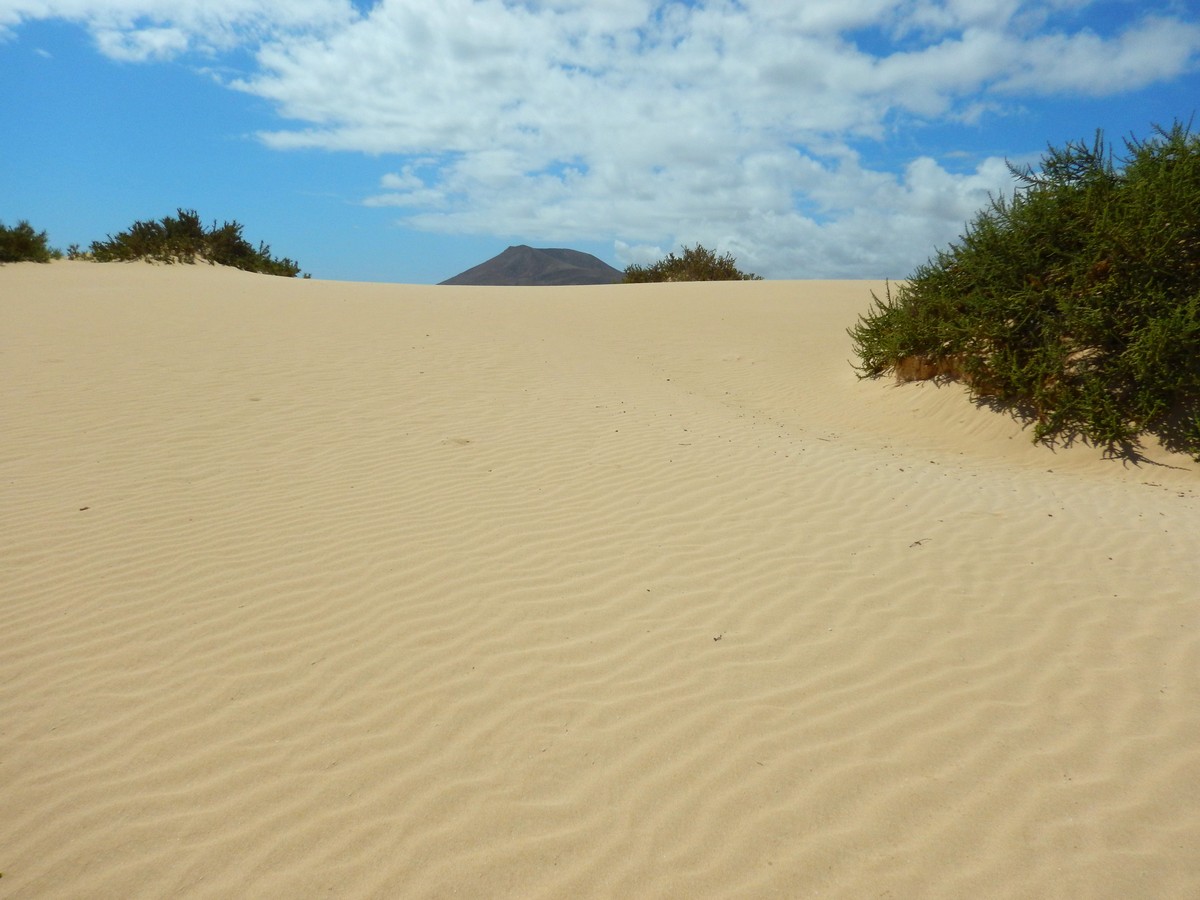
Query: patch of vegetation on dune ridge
21 243
179 238
695 264
182 238
1074 304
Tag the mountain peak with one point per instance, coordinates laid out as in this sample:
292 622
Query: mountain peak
525 265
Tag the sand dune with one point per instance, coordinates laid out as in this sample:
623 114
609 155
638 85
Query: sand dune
327 589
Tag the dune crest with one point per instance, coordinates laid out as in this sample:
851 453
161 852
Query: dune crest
377 590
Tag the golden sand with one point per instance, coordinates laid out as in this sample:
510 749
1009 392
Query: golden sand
326 589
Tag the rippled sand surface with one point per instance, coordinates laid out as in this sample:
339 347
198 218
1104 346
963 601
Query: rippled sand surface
327 589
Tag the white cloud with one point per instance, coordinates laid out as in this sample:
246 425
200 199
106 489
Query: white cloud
139 30
655 123
141 44
1154 49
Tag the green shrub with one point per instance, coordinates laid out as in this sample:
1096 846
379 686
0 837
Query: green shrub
23 244
696 264
184 239
1075 304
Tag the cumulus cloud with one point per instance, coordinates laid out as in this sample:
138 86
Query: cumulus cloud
654 123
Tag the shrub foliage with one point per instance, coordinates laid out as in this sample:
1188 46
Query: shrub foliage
1075 303
22 244
182 238
696 264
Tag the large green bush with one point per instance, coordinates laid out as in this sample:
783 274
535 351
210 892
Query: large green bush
184 239
696 264
22 244
1075 304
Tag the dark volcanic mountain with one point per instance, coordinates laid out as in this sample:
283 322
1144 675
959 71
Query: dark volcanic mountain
524 265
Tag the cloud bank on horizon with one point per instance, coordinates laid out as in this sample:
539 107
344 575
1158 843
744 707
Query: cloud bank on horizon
751 125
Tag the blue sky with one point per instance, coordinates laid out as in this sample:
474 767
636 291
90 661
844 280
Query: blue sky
407 140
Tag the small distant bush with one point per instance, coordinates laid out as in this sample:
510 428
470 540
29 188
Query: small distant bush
22 244
182 238
1075 304
696 264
